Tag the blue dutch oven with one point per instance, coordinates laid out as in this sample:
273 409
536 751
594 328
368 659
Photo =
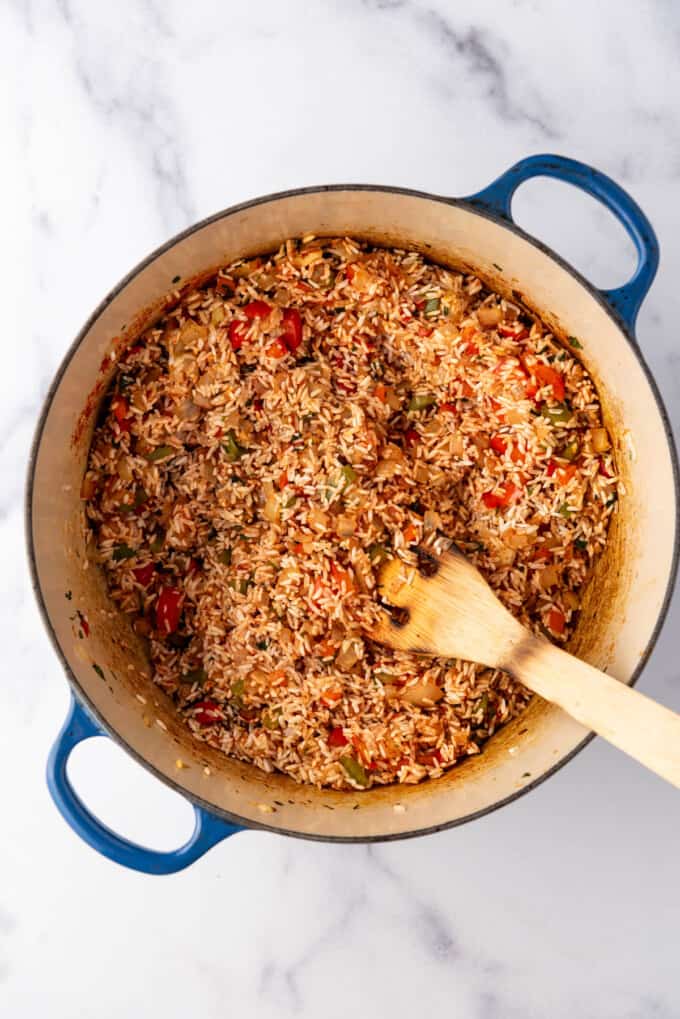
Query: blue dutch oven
105 663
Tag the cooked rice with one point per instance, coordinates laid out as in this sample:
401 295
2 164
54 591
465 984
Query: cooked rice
247 479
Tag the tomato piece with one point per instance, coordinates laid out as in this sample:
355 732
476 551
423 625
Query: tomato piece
337 738
410 534
430 758
237 333
603 470
283 480
277 349
412 437
467 333
556 621
513 334
551 468
350 271
499 445
257 309
342 577
541 554
566 473
380 392
292 329
168 609
207 712
549 376
121 411
450 408
504 496
510 493
143 574
331 696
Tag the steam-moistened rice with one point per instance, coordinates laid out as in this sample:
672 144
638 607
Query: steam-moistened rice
282 431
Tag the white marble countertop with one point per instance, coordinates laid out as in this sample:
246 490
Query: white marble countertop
123 123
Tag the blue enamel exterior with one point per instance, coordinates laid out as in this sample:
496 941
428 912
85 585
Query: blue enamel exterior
497 199
208 831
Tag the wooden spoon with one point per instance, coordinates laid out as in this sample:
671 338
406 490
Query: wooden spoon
444 607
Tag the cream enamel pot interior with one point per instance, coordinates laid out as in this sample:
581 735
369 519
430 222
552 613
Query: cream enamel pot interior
624 606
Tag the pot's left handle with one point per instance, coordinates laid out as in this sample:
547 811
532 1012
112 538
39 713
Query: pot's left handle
209 830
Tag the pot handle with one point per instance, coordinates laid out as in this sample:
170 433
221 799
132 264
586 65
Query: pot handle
625 300
208 831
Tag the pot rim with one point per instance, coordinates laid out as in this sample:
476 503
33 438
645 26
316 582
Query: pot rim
463 203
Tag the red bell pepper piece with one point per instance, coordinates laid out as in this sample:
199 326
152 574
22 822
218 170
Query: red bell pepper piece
430 758
121 411
514 334
168 609
257 309
292 329
237 333
143 574
412 437
556 621
207 712
337 738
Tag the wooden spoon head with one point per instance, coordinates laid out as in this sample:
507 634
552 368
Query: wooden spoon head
443 606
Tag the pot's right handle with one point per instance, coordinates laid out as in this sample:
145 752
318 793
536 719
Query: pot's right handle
625 300
208 831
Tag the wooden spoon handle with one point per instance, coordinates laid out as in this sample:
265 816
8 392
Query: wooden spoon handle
640 727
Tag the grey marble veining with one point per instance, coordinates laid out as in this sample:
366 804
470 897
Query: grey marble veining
123 123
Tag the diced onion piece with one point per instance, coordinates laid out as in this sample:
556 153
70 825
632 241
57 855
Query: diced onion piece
124 470
600 440
188 410
361 278
349 654
515 415
392 452
271 510
431 521
489 317
425 691
548 577
317 519
392 398
385 469
517 539
346 525
457 444
433 427
201 401
310 257
88 487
